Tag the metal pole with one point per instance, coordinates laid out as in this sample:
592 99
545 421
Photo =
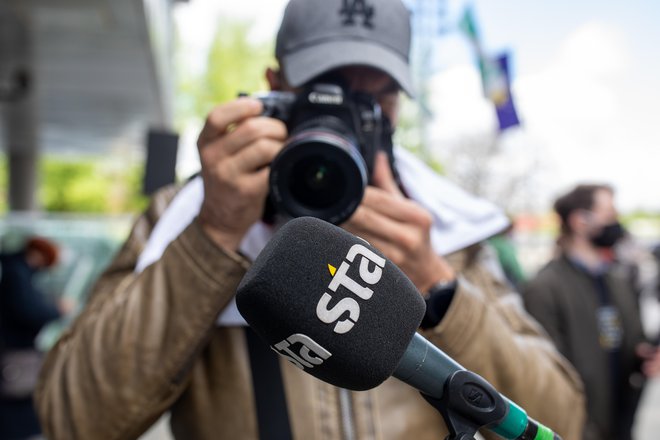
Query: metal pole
20 108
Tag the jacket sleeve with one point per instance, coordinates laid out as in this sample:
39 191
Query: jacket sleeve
125 359
494 337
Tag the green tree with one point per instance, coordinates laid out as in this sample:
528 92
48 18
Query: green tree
409 133
235 64
90 185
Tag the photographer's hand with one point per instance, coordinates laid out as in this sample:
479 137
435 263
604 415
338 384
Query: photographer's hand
400 228
235 148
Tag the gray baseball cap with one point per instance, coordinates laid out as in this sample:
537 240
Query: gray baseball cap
320 35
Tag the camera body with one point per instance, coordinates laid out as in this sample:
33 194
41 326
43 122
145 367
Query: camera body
334 135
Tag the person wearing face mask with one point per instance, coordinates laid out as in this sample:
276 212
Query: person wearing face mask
590 311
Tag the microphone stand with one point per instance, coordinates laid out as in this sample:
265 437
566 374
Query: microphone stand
468 403
465 400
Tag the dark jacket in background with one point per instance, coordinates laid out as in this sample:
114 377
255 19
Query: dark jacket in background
564 299
24 310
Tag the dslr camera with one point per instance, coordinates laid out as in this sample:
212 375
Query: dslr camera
323 169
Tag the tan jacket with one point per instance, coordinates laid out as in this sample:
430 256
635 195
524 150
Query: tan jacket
147 343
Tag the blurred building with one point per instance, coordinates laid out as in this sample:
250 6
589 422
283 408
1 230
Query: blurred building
80 76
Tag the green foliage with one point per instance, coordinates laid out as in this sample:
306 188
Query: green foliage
66 185
643 224
235 64
409 133
641 215
89 186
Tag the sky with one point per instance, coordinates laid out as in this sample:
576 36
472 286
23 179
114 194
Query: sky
583 80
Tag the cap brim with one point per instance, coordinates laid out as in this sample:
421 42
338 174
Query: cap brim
307 63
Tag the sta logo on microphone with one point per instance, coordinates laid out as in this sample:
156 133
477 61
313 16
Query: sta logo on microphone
310 352
371 270
301 350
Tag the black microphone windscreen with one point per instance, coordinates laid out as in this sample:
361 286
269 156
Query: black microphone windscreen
331 304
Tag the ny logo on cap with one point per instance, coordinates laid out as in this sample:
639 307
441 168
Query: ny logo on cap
357 7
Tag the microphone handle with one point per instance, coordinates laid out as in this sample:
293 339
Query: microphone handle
452 389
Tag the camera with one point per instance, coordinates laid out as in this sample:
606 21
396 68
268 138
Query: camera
323 169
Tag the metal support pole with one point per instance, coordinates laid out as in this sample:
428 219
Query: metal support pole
20 111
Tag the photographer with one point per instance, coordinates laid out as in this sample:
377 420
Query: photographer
161 331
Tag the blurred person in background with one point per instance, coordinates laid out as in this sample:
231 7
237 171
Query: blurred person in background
507 256
590 309
24 310
656 256
161 330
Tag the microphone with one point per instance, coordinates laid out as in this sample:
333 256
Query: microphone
335 307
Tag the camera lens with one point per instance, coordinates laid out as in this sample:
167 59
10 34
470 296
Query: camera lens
317 182
319 173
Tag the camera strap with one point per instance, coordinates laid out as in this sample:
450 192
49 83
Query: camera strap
270 399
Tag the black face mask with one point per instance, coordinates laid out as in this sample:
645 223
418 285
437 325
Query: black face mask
608 235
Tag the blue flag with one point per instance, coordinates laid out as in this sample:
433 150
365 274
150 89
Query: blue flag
506 111
494 71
